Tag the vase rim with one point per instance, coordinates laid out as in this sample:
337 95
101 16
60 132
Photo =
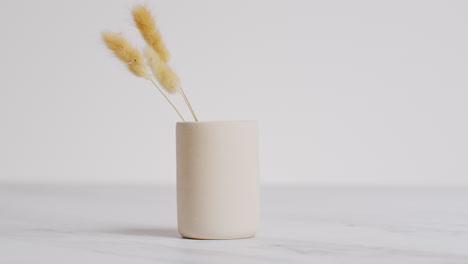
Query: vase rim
218 122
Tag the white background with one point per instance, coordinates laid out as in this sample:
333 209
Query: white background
346 92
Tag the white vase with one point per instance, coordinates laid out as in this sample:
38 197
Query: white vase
217 179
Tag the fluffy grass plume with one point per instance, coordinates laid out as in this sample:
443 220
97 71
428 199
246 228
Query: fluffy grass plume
126 53
147 26
163 73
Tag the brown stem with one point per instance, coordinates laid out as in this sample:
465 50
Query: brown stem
188 104
167 99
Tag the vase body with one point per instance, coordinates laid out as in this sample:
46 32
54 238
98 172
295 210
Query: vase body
217 179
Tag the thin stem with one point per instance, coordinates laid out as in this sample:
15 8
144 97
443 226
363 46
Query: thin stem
188 104
169 101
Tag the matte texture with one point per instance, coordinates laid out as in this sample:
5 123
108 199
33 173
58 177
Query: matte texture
217 179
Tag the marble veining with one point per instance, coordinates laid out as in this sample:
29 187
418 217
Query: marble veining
300 224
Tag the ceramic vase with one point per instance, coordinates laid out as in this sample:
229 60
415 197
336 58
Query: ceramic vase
217 179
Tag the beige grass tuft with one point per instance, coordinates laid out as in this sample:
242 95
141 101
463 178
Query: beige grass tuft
147 26
126 53
163 73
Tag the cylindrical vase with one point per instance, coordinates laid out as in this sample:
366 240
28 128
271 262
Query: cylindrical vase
217 179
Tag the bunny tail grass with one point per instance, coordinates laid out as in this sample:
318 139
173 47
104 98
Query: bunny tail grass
163 73
147 27
166 76
167 99
126 53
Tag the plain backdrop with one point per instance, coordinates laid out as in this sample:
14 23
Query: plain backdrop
346 92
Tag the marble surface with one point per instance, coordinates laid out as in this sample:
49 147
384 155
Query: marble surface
300 224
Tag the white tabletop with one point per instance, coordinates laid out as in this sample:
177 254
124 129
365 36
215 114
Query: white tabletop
138 224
